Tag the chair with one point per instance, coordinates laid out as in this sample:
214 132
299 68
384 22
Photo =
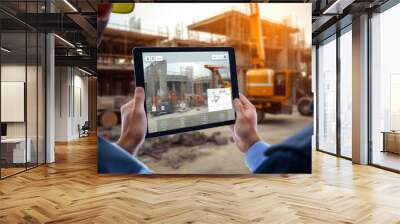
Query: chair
84 130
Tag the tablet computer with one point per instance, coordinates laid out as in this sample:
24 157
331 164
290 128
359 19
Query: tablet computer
186 89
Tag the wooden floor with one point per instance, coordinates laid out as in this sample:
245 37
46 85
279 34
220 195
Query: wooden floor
5 172
70 191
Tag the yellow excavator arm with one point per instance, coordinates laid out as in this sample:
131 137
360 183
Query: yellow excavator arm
215 72
256 37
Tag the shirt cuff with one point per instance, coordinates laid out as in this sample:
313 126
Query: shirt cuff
255 156
143 168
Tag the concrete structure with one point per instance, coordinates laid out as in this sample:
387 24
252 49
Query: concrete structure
283 50
157 77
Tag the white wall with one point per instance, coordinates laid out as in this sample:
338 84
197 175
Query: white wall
33 127
12 73
61 103
80 89
70 83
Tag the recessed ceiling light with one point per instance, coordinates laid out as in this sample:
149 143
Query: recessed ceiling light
5 50
337 7
64 40
84 71
70 5
120 60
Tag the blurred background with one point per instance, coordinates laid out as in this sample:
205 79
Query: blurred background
272 43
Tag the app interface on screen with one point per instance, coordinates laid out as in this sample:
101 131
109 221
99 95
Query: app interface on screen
185 89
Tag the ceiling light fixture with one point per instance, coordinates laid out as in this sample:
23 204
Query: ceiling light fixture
5 49
84 71
337 7
79 51
64 40
70 5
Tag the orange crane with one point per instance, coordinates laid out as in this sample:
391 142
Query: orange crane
256 37
270 91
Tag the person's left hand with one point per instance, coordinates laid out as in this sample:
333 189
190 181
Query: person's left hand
133 123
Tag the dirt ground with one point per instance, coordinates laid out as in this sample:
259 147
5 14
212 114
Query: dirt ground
224 159
192 117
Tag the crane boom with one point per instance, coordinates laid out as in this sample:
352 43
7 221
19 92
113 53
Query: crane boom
256 37
215 74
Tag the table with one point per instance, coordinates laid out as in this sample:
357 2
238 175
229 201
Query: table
391 141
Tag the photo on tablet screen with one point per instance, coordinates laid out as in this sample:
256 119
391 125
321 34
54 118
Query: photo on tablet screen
187 89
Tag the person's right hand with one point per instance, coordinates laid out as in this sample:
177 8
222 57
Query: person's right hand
244 130
133 123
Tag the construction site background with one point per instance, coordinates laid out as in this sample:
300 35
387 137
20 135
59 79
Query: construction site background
284 44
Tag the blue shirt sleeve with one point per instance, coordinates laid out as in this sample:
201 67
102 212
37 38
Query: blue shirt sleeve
111 158
292 155
255 156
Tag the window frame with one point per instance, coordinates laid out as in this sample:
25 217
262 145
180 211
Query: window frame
333 37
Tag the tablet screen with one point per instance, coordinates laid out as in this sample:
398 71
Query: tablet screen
186 89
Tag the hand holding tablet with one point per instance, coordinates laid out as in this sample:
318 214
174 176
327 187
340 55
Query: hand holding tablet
186 89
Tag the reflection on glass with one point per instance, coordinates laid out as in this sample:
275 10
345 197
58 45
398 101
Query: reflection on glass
386 89
22 90
14 153
41 99
346 94
394 102
31 97
327 97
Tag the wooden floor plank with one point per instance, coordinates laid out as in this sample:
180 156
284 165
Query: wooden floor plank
70 191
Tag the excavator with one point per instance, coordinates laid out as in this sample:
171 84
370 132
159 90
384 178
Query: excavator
270 91
215 74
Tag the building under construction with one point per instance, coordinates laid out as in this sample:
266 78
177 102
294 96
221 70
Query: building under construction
283 45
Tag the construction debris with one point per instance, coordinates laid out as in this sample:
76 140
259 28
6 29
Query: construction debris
185 147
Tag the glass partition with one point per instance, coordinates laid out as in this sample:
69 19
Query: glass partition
385 89
22 89
327 96
35 87
41 96
13 94
346 93
31 97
